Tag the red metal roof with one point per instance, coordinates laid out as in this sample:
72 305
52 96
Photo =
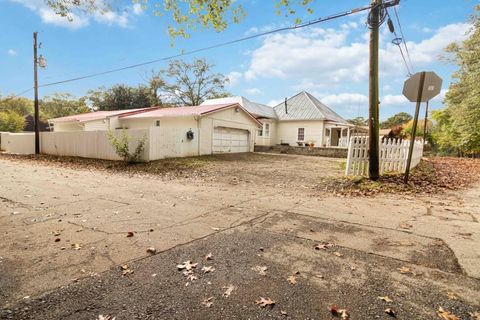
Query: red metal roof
98 115
179 111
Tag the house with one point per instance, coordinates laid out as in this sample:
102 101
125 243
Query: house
92 121
300 120
220 128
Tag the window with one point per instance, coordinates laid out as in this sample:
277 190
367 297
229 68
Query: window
301 134
260 132
267 129
157 123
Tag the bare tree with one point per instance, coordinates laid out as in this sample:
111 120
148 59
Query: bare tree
188 84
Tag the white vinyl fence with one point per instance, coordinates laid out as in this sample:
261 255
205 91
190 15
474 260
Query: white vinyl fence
393 155
160 143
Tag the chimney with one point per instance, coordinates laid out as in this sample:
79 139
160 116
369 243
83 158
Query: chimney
286 109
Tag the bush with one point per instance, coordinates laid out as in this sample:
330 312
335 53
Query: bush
11 121
122 147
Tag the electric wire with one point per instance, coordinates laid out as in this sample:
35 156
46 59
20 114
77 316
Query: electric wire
223 44
398 41
403 37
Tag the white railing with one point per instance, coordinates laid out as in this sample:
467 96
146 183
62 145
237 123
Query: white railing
393 155
342 143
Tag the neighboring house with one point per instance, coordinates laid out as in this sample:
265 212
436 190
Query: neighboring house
300 120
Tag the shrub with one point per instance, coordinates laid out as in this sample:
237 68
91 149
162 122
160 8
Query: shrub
122 147
11 121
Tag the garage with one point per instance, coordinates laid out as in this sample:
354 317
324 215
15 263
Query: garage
230 140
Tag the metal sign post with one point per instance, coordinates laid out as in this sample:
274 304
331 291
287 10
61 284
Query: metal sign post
421 87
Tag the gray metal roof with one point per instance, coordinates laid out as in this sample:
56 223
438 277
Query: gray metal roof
256 109
304 106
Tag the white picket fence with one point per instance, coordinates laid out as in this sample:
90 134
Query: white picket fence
393 155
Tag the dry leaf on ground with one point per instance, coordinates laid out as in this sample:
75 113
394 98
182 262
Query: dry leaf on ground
130 234
209 256
187 265
151 250
208 302
102 317
386 299
324 245
452 295
76 246
475 315
263 302
126 270
228 290
208 269
339 313
404 270
338 254
261 270
390 312
405 225
446 315
292 280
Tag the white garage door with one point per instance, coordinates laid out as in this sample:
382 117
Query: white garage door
229 140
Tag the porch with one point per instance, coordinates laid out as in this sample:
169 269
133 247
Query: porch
337 135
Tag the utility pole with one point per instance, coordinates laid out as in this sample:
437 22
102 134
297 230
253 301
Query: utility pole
373 94
35 86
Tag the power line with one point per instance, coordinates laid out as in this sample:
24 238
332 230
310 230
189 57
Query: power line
299 26
403 37
398 41
223 44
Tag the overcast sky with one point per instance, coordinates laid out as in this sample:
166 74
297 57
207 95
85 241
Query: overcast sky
329 60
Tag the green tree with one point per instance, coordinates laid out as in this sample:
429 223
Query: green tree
358 121
188 84
396 120
121 97
462 115
11 121
187 15
408 128
61 105
20 105
444 133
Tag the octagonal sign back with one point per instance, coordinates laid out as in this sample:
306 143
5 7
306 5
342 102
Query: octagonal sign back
431 87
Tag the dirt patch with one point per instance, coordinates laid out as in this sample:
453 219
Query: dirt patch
431 176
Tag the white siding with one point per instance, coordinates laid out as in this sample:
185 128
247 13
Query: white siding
67 126
170 122
267 140
287 132
96 125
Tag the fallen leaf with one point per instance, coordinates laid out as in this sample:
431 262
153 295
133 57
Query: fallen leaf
390 312
324 245
405 225
283 313
130 234
386 299
446 315
76 246
151 250
263 302
475 315
187 265
339 313
292 280
208 302
228 290
338 254
404 270
192 277
209 256
209 269
215 229
452 295
126 270
57 239
261 270
102 317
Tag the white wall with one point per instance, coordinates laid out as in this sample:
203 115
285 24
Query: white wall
170 122
96 125
67 126
287 132
267 140
165 142
18 143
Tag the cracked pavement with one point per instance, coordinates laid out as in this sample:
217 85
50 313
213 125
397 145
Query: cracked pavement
64 227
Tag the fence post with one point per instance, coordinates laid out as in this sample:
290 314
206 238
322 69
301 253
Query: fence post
349 157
